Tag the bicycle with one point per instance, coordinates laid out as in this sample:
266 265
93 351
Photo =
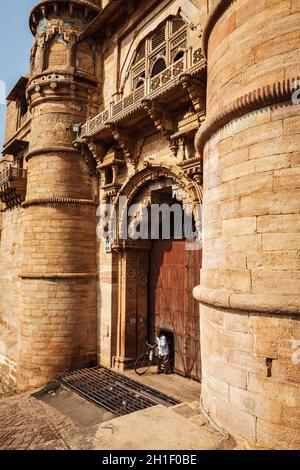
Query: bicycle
146 360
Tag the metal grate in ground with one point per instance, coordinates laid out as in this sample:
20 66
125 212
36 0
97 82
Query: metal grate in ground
115 392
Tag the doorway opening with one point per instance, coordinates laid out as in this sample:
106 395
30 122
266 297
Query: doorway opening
174 272
157 275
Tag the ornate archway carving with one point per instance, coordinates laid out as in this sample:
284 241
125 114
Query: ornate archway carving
154 172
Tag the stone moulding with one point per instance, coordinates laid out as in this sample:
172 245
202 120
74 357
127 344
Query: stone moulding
53 80
215 13
58 276
274 93
153 172
262 303
46 150
58 200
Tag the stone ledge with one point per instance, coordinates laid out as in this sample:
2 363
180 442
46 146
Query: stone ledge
58 275
58 200
273 93
53 149
263 303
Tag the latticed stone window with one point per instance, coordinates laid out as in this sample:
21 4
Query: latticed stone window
160 49
158 38
158 67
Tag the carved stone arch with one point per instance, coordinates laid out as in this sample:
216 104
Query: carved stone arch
178 16
176 53
159 58
153 173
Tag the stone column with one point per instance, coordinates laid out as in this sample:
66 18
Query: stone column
250 282
57 329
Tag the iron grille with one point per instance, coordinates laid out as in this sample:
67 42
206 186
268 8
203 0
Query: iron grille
115 392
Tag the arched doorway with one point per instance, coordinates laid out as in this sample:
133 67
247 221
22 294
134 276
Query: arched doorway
156 278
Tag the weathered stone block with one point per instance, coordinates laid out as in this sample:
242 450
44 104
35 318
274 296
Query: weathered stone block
236 421
249 402
239 226
277 437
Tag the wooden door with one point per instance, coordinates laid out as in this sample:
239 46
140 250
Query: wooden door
174 273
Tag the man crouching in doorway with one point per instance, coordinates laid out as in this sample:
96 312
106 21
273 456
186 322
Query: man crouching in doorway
164 354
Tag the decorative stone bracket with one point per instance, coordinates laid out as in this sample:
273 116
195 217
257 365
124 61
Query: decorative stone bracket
92 154
124 142
162 119
197 93
174 145
192 168
98 152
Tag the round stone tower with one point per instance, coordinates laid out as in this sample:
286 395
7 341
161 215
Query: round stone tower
250 282
57 329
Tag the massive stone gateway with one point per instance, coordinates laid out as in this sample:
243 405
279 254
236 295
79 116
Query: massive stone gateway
116 96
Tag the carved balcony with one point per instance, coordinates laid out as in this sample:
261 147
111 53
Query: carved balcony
165 87
13 186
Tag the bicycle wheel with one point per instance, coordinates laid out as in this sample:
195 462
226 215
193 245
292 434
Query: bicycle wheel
142 364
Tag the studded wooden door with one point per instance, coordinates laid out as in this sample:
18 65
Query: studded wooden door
174 273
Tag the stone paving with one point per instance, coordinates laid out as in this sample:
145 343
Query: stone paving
27 424
65 421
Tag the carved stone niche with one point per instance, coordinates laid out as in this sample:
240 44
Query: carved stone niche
184 137
108 170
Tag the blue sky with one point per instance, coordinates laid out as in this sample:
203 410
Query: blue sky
16 41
